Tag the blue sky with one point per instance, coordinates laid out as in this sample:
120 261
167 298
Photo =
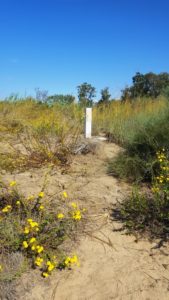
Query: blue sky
58 44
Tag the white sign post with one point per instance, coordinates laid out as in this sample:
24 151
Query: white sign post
88 123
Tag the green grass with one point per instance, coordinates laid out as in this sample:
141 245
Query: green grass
140 147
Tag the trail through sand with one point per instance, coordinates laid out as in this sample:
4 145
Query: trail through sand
112 264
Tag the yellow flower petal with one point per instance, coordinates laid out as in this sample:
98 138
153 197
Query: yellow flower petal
26 230
60 216
45 274
32 240
41 194
64 194
25 244
12 183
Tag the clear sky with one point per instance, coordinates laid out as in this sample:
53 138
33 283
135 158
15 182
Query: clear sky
58 44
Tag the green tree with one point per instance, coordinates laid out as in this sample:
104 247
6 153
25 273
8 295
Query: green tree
86 94
146 85
105 96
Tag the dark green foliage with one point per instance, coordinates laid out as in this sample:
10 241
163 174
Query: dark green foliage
146 85
127 167
143 212
105 96
137 162
166 92
86 94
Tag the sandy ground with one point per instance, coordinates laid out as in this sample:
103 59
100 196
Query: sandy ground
113 265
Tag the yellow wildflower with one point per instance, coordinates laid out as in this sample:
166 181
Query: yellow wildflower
45 274
25 244
30 197
74 205
50 265
1 269
50 268
33 224
60 216
74 260
64 194
18 202
33 248
67 261
26 230
38 261
41 195
77 215
32 240
12 183
155 189
39 248
29 220
41 207
6 208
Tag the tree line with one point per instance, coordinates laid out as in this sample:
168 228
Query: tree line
149 85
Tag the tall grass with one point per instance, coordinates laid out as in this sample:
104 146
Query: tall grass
30 113
142 128
48 133
121 121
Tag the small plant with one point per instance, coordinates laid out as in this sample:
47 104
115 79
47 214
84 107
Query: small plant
35 229
149 212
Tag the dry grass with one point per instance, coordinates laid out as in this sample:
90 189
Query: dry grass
35 133
120 121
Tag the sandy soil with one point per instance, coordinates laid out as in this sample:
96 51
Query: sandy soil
113 265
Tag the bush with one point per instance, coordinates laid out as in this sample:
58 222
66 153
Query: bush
34 134
125 166
137 162
36 229
148 212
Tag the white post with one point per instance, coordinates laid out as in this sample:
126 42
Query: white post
88 123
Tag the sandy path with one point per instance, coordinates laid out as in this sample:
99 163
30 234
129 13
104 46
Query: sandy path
113 265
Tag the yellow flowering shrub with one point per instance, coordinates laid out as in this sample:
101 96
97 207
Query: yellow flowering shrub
161 182
149 211
35 231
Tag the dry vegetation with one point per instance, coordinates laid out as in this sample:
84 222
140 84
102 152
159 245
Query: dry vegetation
34 135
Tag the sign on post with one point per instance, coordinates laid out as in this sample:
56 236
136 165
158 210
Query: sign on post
88 123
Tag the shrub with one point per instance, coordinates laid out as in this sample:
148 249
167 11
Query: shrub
137 162
36 134
148 212
124 166
36 229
